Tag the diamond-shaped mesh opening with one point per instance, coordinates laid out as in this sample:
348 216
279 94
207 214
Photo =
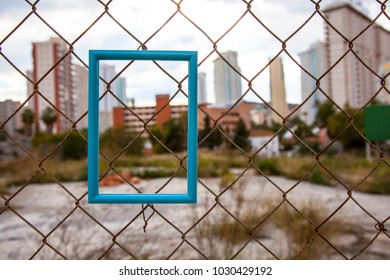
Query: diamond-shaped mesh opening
224 18
357 237
154 230
91 39
217 235
154 14
17 13
73 237
38 206
275 180
15 230
58 18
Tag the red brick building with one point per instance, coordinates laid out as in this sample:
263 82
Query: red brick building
227 117
136 119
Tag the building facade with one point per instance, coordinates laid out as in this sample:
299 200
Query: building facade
57 86
135 119
117 90
313 60
265 143
7 108
227 82
278 90
202 88
384 71
81 92
350 81
227 117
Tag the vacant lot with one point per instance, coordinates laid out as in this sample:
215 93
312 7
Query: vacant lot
255 218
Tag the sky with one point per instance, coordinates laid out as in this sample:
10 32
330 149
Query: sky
254 44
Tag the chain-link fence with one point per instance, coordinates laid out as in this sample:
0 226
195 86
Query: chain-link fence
249 206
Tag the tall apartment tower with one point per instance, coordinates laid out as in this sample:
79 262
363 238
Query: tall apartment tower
7 108
313 60
202 88
384 70
81 92
350 82
107 72
227 83
109 101
57 86
278 90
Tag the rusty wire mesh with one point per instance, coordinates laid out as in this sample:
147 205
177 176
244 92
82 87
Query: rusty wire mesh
79 230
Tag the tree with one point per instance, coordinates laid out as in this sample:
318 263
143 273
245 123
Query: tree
74 147
338 122
173 134
302 129
214 139
241 136
114 140
325 110
28 120
49 117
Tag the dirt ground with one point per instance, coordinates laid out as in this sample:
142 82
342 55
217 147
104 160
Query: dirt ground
49 222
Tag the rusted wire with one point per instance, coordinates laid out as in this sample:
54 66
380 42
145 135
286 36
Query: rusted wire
378 225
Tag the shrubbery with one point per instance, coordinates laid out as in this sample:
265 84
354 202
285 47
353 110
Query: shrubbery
74 146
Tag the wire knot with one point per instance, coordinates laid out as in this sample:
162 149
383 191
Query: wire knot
380 227
146 220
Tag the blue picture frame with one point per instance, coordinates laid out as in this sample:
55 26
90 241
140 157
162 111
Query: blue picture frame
94 196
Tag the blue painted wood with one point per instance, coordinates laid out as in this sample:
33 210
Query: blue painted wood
95 56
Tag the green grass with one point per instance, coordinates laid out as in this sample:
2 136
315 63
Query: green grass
348 169
22 170
351 170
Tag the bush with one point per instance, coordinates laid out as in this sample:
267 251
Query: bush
74 147
317 176
226 179
377 182
210 165
303 150
43 143
114 140
304 242
173 134
269 166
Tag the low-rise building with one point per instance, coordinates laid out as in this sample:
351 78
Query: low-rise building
135 119
7 108
265 141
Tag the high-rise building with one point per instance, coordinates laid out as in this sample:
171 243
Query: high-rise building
110 100
227 82
66 87
313 60
351 81
121 90
106 105
57 86
7 108
202 88
278 90
117 88
384 70
81 92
